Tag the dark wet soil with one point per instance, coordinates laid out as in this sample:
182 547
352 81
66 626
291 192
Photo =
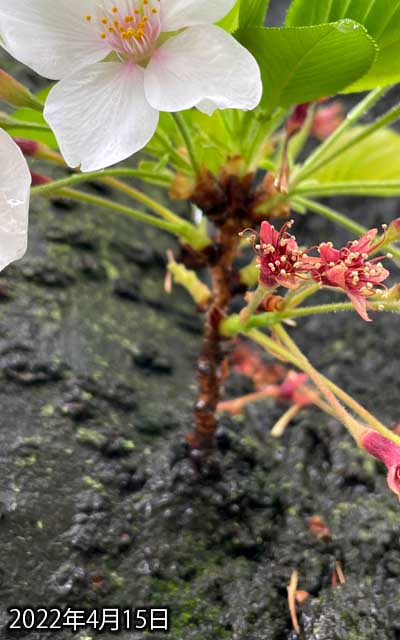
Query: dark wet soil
99 505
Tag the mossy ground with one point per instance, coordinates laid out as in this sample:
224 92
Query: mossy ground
98 503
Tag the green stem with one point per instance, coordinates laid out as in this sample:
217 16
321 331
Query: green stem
362 412
286 355
295 297
330 214
383 121
183 229
232 325
256 299
333 388
338 218
353 116
149 202
265 130
10 125
384 188
298 142
177 159
92 176
351 424
185 133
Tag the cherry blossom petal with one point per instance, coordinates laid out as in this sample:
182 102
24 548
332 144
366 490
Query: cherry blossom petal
364 243
360 305
380 447
100 115
15 181
207 106
336 275
328 253
177 14
268 234
387 451
52 37
393 479
202 63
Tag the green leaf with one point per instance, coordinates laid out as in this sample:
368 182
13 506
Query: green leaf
252 13
28 115
231 21
300 64
245 13
375 158
381 18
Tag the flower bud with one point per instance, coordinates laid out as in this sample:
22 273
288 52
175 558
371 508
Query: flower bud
15 94
38 179
182 187
393 231
39 150
200 293
298 118
326 120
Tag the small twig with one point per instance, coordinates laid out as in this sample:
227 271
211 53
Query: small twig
292 590
339 572
279 427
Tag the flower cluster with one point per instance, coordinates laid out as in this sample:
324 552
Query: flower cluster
349 269
283 263
280 260
326 119
121 62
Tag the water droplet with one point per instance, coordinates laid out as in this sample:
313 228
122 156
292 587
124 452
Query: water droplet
346 26
13 202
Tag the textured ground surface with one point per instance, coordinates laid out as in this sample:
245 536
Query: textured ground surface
98 505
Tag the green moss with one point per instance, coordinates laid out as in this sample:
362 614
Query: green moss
190 608
91 483
26 461
90 436
128 445
116 580
47 411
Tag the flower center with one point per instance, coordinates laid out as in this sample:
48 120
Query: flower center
131 27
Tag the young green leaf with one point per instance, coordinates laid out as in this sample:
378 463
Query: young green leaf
375 158
305 63
252 13
231 21
381 18
35 117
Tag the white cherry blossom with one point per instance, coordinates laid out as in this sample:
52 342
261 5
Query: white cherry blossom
121 62
15 181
